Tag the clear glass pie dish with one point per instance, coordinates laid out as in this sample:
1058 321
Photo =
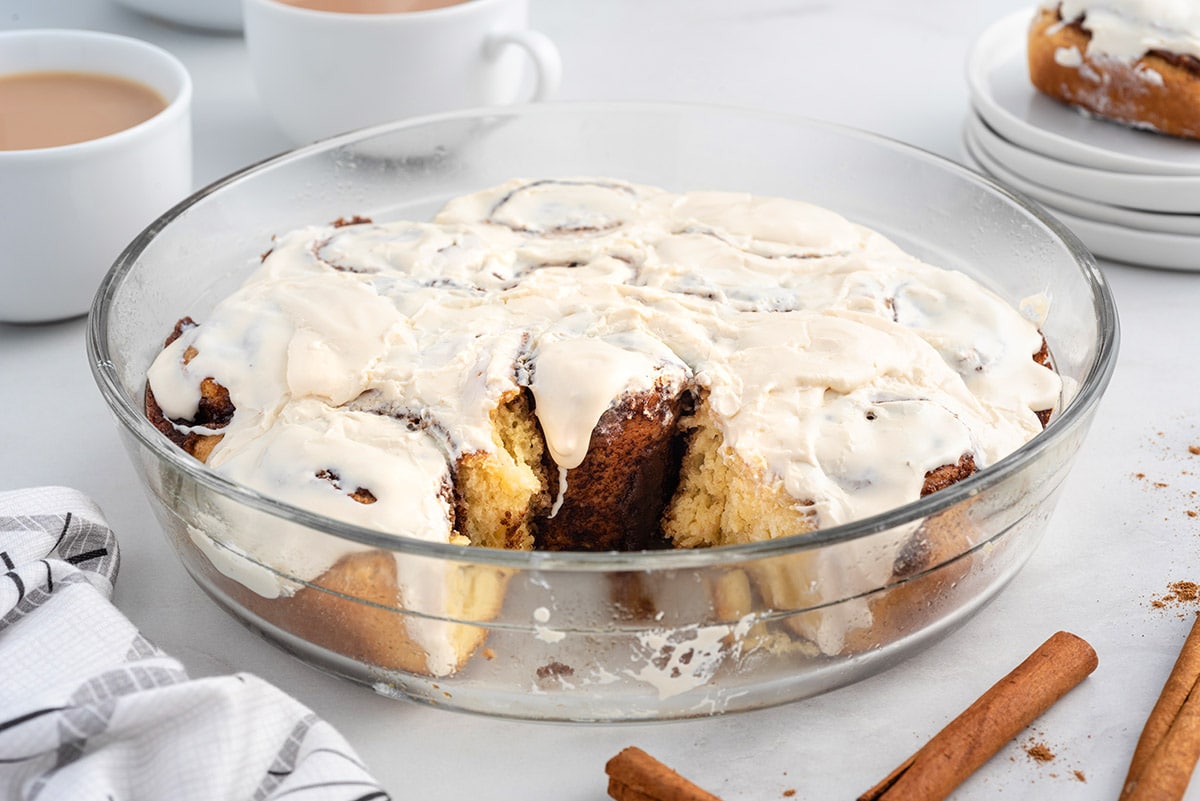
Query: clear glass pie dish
606 636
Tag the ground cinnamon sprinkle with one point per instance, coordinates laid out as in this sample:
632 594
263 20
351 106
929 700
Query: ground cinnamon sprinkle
1039 752
1185 590
788 793
1079 775
1178 593
1194 450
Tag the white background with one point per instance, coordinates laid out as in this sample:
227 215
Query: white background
1115 544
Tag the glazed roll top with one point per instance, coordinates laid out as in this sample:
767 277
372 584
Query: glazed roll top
1128 29
368 362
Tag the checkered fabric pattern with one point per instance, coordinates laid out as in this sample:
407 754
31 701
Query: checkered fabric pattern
89 709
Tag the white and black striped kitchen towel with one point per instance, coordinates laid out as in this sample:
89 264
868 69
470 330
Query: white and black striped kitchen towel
89 709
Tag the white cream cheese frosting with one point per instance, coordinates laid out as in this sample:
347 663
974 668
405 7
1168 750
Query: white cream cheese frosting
797 323
373 355
1128 29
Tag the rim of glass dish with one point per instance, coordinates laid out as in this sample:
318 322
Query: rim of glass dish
134 422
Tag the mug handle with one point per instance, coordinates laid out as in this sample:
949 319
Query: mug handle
541 51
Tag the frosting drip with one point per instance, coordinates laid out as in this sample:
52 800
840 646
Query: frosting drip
574 384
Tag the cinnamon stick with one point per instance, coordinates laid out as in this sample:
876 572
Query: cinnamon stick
634 775
972 738
1167 751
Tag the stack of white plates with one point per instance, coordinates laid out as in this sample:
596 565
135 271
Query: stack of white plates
1132 196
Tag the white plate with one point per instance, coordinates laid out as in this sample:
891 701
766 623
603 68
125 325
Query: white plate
1178 194
1187 224
1111 241
998 79
1143 248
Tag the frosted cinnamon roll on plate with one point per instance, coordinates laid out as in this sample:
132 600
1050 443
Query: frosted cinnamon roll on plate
1133 61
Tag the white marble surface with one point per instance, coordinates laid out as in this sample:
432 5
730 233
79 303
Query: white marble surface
1115 543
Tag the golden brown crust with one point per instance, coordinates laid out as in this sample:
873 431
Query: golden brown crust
929 574
352 614
352 609
1110 87
214 410
942 477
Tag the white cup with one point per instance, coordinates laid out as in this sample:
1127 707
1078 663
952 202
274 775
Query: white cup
67 212
320 73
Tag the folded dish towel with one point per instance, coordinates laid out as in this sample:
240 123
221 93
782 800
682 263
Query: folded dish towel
89 709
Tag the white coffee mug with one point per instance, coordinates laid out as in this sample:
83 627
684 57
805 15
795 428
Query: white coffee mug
67 212
320 73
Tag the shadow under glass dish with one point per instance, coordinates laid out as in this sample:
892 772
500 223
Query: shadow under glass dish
611 636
